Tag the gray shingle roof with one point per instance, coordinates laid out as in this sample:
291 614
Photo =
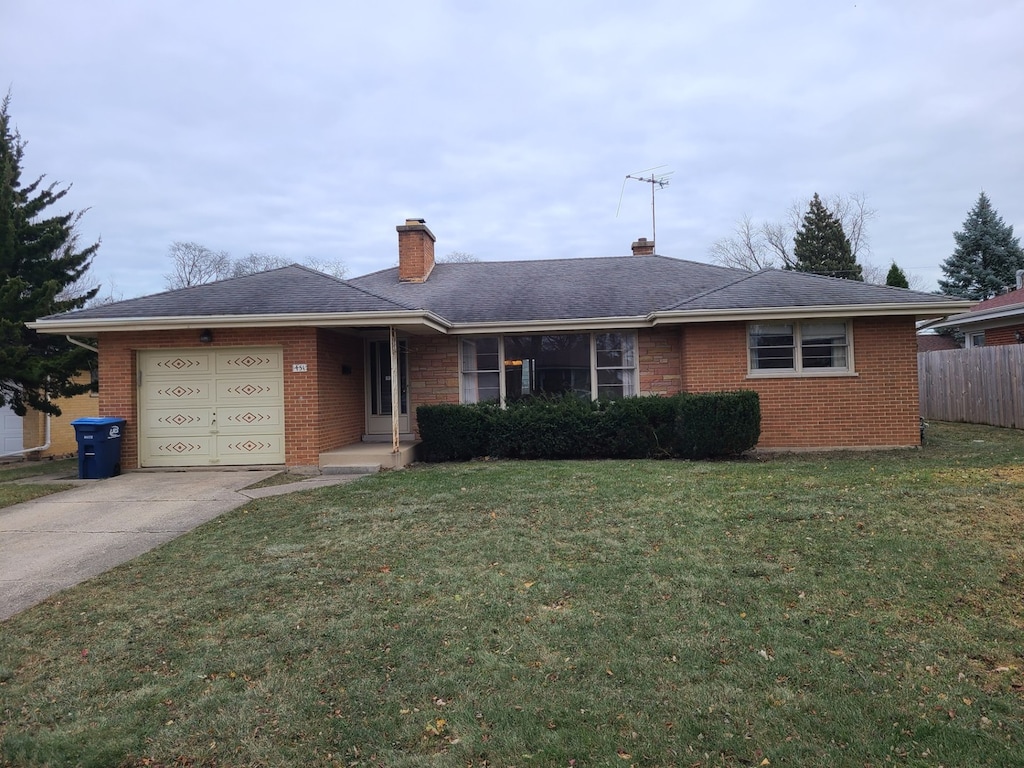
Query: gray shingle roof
780 288
289 290
570 289
511 292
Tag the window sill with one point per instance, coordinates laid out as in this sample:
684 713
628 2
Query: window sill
802 374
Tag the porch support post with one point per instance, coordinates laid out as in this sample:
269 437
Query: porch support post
396 391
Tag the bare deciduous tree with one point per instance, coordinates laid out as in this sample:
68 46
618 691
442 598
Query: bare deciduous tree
195 264
331 267
257 262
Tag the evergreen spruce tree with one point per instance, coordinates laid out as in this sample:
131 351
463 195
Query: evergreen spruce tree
821 246
986 258
39 259
897 278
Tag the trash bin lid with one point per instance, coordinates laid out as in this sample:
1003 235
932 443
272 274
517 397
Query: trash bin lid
98 421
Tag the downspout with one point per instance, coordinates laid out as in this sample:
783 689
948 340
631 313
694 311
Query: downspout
82 344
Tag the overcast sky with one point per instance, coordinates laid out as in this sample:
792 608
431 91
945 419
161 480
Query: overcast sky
312 128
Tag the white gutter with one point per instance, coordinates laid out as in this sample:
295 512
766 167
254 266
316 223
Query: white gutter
409 319
829 310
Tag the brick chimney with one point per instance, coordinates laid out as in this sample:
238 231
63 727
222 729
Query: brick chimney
415 251
643 247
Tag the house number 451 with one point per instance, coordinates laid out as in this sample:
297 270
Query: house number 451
299 368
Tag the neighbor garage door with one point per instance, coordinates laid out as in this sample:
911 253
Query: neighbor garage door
200 407
10 431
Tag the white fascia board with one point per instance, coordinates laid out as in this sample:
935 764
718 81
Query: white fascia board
799 313
409 320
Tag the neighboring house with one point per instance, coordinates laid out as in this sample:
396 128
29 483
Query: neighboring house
284 366
62 440
993 322
31 436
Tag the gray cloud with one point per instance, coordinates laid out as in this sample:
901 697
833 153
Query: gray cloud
312 129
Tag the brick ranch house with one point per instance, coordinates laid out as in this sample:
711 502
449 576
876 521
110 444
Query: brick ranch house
286 366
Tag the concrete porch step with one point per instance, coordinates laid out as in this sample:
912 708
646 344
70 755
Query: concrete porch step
367 458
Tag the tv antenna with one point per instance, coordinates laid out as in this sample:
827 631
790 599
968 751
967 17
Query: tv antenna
657 181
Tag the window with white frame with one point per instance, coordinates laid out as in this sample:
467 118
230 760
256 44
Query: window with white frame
806 347
976 339
511 367
480 370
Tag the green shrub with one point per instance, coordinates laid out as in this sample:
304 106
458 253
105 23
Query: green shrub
455 432
681 426
716 424
544 428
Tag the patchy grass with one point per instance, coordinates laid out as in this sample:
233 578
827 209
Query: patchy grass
15 494
812 610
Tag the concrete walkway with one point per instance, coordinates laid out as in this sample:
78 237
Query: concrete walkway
57 541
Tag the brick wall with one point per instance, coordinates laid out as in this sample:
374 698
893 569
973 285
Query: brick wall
877 407
999 336
659 357
309 397
433 372
342 389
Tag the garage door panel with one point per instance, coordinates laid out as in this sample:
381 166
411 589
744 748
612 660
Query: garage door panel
179 421
249 449
179 451
262 390
241 361
179 363
254 420
187 391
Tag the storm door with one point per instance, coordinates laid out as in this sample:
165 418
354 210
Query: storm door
378 421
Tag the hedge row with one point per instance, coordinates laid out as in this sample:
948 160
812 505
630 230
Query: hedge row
682 426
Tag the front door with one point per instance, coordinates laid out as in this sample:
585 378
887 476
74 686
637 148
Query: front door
378 420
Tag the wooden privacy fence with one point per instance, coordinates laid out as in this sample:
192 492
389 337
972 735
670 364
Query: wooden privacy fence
981 385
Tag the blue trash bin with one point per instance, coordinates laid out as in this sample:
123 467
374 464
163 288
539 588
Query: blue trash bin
99 446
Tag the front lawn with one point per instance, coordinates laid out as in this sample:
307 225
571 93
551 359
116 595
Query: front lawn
861 609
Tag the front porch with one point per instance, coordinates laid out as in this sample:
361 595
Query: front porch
362 458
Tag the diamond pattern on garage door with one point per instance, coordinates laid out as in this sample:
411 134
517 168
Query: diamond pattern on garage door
201 407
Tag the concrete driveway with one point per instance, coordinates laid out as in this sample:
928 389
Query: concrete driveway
60 540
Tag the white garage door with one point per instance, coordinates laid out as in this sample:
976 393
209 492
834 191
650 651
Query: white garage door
200 407
10 431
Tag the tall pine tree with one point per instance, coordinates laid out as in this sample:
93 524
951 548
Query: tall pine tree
39 258
822 247
986 258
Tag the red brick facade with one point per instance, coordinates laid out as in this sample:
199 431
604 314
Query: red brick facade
876 407
325 406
